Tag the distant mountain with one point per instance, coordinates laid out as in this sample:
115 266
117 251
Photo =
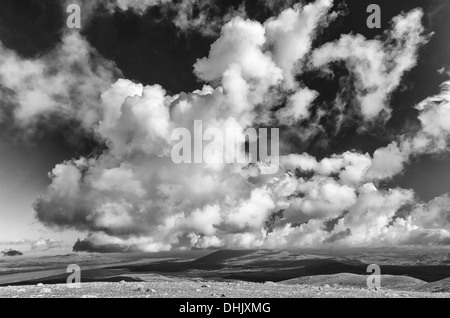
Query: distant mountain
441 286
281 265
222 256
11 252
289 267
241 257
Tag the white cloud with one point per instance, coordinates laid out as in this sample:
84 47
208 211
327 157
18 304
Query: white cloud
133 197
378 65
434 116
387 162
320 198
369 218
112 215
119 179
66 82
297 107
205 221
254 212
291 35
240 43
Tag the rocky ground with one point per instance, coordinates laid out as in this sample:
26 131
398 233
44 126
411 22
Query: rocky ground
193 289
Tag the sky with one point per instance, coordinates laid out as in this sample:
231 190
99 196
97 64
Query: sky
86 117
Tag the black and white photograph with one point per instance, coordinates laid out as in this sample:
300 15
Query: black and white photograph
206 151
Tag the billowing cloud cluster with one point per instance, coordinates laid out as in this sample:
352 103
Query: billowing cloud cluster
65 83
377 65
134 197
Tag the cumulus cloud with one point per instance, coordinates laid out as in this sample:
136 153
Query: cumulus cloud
102 243
291 35
387 162
297 107
319 198
90 247
434 116
370 216
240 45
378 64
63 84
427 224
132 196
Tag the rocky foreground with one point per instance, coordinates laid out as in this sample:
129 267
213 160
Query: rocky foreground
192 289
